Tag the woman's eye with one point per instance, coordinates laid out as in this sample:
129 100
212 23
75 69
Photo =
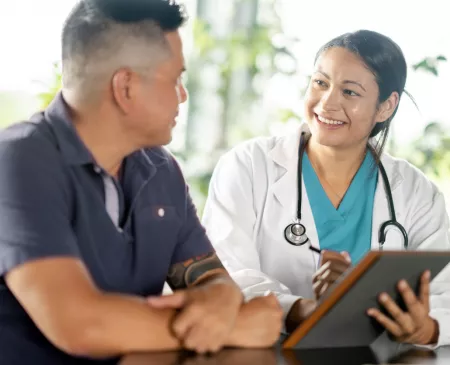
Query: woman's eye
319 82
350 92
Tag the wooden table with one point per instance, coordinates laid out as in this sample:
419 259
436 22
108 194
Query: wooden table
344 356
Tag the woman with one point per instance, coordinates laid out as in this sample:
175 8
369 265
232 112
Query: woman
352 98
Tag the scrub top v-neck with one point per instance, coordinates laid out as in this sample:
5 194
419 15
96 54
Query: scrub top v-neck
349 227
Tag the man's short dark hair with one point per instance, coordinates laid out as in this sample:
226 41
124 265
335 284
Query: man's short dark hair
168 14
99 33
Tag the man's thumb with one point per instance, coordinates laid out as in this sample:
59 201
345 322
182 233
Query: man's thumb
175 300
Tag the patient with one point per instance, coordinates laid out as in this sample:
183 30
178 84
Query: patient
96 215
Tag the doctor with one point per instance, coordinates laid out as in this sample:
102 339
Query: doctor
342 200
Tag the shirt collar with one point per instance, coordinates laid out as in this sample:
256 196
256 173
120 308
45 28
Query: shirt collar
72 148
146 161
75 152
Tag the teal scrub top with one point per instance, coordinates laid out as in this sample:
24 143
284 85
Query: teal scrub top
348 228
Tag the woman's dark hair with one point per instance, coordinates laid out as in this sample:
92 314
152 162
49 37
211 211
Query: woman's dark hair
384 58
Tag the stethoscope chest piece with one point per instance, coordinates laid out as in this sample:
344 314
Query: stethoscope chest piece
295 234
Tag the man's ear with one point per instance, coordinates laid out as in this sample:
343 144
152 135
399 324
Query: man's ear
387 107
124 87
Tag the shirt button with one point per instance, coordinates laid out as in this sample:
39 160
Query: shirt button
161 212
97 169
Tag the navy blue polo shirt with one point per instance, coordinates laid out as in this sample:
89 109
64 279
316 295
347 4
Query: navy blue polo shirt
55 201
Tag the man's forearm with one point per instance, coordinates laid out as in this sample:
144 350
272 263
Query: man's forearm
196 271
128 324
122 324
200 271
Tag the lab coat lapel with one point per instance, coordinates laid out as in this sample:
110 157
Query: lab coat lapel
284 187
285 154
285 190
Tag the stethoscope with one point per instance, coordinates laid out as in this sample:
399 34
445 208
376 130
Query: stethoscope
295 233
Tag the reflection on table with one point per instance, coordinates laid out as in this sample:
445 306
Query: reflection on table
344 356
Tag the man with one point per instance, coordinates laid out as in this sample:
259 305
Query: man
95 216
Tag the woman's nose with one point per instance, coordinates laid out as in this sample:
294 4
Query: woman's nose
330 100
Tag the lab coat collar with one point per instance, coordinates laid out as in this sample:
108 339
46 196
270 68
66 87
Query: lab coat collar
285 154
285 150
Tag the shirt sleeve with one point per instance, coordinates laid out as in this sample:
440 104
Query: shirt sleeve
192 238
34 203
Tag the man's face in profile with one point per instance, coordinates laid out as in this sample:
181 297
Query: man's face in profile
158 96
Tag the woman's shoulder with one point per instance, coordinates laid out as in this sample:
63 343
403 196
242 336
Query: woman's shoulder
253 157
402 172
261 144
254 149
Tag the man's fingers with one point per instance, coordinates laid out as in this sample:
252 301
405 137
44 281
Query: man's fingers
186 319
175 301
195 340
190 342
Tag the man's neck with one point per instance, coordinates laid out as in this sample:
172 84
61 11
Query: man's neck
336 166
102 137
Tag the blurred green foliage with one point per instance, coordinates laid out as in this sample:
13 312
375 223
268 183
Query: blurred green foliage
54 86
244 58
431 151
429 64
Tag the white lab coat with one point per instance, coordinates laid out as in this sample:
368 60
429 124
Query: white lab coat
253 196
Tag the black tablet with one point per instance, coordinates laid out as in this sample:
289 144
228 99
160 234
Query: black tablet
341 319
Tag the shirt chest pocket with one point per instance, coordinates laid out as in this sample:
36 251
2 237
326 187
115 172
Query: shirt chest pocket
160 213
157 222
157 230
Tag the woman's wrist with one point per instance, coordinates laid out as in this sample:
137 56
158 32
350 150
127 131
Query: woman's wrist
434 338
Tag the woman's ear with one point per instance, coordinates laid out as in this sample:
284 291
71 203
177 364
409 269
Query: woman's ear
387 107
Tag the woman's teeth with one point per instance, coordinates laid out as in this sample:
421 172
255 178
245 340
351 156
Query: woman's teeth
329 121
